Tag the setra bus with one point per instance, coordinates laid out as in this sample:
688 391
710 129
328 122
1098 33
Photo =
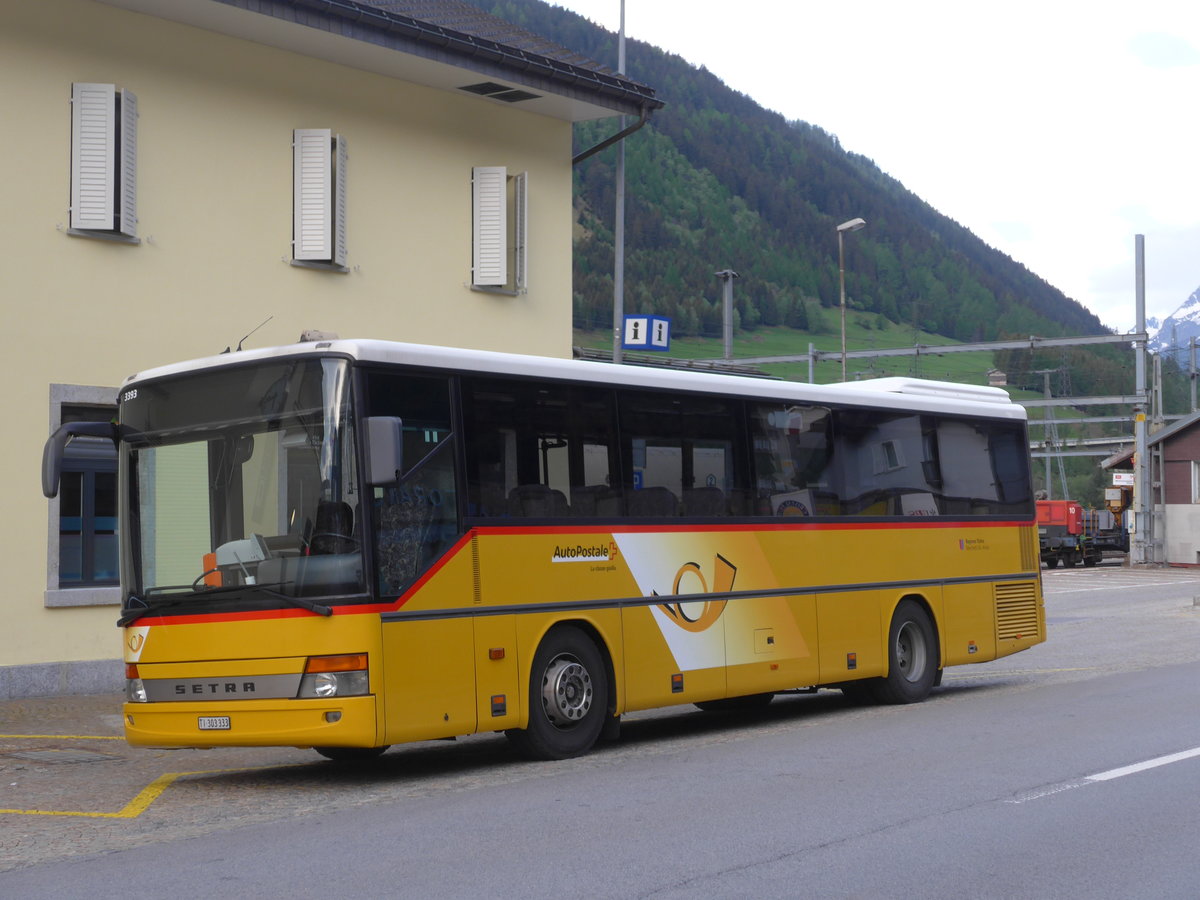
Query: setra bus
348 544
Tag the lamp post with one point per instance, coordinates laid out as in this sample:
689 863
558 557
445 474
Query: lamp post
852 225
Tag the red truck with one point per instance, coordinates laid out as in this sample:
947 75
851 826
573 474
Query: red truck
1063 536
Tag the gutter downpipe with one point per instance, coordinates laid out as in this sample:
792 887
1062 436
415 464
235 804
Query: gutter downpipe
643 118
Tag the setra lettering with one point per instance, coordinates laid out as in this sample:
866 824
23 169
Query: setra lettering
208 688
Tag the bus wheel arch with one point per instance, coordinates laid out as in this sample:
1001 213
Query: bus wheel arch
913 653
913 656
570 694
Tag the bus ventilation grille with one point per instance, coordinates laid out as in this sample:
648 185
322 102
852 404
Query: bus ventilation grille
1016 611
1029 551
475 568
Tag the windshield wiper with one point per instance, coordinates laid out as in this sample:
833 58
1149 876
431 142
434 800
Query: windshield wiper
319 608
131 614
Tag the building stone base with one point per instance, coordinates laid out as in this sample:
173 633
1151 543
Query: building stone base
99 676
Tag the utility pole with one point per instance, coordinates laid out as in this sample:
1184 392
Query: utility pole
1051 438
1191 369
727 276
1141 548
619 225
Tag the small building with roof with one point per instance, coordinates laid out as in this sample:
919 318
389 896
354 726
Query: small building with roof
1175 488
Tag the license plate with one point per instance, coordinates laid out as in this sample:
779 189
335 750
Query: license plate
214 723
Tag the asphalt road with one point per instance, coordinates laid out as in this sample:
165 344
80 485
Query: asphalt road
1013 780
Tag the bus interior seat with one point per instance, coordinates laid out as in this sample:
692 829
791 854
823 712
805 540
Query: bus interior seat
653 501
705 501
536 501
491 500
595 500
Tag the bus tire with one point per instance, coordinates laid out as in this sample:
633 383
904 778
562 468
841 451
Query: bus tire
568 697
749 703
352 754
912 656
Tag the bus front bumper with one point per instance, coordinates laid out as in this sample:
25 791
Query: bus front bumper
344 722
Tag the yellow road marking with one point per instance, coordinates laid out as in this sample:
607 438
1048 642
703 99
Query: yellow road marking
141 802
61 737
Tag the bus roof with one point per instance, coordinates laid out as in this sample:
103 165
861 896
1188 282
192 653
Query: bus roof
888 393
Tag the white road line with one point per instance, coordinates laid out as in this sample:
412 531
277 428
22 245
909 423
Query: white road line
1050 790
1124 585
1143 766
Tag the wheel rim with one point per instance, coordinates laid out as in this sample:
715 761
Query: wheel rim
566 692
910 652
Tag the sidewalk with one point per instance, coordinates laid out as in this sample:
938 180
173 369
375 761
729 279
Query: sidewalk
89 715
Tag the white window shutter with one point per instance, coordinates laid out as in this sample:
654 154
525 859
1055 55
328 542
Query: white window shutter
521 202
312 195
489 215
93 140
128 164
339 199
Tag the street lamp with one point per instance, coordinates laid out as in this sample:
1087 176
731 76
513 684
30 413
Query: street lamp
852 225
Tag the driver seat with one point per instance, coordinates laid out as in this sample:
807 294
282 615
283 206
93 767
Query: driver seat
333 531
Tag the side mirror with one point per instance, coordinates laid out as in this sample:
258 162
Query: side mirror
56 446
385 449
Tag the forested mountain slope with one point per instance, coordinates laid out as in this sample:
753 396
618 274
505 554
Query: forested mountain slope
715 181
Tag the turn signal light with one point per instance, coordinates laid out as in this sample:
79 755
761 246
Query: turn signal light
349 662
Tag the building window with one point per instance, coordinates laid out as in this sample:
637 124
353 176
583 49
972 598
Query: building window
103 161
82 551
499 220
319 198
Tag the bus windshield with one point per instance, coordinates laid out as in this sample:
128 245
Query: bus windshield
241 488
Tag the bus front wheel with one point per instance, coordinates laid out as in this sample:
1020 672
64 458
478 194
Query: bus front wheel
568 697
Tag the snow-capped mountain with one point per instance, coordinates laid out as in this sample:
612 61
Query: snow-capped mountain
1174 333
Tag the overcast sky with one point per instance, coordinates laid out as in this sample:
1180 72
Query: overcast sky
1054 130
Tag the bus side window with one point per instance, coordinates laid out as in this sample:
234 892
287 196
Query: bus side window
683 456
793 450
539 451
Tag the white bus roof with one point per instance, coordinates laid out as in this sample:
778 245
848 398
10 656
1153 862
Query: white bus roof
887 393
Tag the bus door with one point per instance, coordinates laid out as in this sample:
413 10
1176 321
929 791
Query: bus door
428 640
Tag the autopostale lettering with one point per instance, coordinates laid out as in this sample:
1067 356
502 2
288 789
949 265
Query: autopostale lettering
210 688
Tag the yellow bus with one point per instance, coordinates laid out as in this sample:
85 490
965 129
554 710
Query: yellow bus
349 544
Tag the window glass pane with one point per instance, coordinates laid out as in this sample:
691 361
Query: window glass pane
793 450
539 451
415 520
245 476
106 554
70 528
888 464
1010 466
684 455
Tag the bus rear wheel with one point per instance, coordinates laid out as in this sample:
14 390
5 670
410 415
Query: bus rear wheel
912 658
568 697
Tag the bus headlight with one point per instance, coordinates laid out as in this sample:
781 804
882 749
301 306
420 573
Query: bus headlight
135 691
334 676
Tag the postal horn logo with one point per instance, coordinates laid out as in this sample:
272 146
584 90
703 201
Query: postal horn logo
699 615
135 641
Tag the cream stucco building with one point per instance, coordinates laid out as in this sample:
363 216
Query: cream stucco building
180 173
